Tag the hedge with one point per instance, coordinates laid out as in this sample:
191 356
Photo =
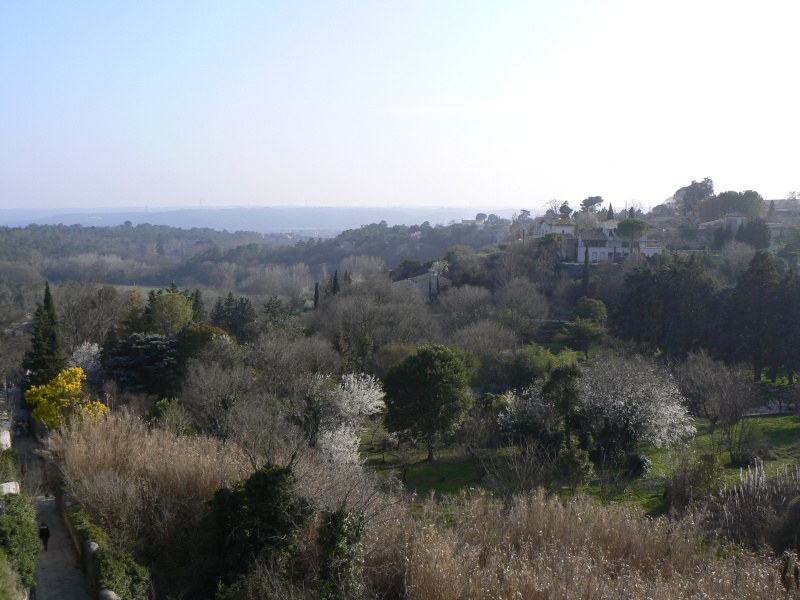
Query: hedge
19 535
116 568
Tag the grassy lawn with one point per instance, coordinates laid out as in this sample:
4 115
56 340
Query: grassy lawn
778 439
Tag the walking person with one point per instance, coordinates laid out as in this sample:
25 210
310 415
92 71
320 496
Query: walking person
44 534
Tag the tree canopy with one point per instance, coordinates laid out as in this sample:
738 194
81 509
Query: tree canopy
427 394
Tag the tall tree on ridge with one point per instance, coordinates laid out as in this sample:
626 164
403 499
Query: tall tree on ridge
44 360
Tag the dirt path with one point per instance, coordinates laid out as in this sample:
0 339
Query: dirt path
58 576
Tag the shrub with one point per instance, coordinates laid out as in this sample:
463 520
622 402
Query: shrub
262 516
9 461
637 464
9 581
341 554
116 568
119 572
19 537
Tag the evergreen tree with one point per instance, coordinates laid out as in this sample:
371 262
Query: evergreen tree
754 316
160 245
198 308
316 294
610 214
788 338
44 360
585 282
335 284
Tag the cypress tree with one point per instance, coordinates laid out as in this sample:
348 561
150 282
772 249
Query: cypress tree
335 286
585 284
610 214
316 294
43 361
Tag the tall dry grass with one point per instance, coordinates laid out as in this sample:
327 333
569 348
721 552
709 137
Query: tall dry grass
542 548
148 487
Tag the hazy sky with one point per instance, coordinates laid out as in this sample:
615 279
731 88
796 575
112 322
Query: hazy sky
478 104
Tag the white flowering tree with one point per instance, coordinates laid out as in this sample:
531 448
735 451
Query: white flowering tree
631 400
357 397
87 357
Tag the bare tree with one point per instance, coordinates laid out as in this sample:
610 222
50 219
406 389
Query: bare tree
735 257
494 346
520 306
463 305
713 390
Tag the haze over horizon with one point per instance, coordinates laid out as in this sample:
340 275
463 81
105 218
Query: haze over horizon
436 103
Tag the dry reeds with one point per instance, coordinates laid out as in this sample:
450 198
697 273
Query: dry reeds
147 487
543 548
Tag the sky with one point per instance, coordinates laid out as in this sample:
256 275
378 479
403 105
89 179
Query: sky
414 103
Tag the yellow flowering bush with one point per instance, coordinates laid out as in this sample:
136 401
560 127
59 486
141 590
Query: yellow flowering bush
62 399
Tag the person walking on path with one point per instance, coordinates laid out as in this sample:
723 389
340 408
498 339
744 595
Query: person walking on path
44 534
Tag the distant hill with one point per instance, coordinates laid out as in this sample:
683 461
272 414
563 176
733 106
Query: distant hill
320 220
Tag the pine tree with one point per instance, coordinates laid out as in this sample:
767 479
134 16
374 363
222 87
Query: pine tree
44 359
198 308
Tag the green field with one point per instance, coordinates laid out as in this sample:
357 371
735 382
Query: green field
777 444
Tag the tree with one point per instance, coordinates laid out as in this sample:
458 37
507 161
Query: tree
585 274
564 210
520 306
198 307
591 203
61 399
754 313
237 317
756 233
610 213
561 389
632 230
630 400
170 312
748 202
261 516
582 333
43 361
789 309
144 363
688 198
591 308
427 394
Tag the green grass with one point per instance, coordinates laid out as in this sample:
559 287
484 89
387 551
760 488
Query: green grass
454 469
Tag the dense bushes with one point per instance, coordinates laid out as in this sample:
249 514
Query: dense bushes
116 569
9 461
18 535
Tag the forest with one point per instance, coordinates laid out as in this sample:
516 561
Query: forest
424 411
